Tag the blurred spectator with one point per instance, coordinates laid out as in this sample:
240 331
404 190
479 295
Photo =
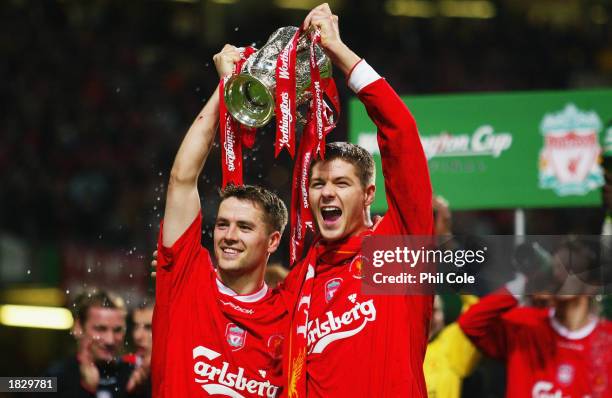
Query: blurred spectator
99 330
450 355
565 350
141 320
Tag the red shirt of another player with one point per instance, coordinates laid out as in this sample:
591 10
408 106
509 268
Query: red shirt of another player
543 358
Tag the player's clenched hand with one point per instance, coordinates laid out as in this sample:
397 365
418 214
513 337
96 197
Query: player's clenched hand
322 18
225 60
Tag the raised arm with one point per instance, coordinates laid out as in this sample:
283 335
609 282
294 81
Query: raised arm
483 323
182 197
404 166
407 183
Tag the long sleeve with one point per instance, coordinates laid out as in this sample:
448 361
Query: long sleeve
405 172
484 325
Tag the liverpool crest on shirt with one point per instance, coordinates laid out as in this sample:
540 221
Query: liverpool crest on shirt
235 336
331 287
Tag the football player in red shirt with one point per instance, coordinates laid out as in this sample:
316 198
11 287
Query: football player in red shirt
343 343
216 332
563 351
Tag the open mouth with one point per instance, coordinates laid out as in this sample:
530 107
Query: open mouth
330 214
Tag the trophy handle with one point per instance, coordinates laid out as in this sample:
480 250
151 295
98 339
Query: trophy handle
250 95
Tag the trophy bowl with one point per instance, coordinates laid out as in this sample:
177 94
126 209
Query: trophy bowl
249 95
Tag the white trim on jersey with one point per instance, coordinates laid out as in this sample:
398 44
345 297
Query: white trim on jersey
362 75
572 334
247 298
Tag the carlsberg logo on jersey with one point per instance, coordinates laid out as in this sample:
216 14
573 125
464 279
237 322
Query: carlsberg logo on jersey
220 381
544 389
569 159
322 332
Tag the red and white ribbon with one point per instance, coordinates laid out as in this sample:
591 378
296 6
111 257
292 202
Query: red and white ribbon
285 96
233 134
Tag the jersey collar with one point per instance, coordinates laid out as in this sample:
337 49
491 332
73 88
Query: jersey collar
246 298
572 334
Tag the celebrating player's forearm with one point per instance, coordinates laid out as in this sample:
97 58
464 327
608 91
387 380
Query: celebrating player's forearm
182 199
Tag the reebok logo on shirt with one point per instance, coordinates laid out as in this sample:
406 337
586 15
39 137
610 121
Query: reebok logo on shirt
220 381
322 332
247 311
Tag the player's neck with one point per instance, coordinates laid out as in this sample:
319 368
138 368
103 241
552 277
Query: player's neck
574 314
242 284
367 218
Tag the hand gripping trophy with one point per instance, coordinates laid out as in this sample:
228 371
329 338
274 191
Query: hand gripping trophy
250 94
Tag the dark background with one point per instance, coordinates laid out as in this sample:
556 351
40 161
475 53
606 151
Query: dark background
96 96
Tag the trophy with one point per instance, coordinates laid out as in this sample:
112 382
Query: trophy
249 95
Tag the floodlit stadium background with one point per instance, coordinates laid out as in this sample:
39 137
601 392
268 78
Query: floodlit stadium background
98 94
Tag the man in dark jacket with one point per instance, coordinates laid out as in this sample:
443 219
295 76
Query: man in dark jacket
96 370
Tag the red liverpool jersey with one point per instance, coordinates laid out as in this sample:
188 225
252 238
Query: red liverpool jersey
543 358
361 345
208 341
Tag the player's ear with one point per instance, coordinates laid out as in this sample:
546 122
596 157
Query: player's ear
273 241
370 192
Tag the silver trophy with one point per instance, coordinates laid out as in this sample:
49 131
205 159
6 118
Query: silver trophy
249 95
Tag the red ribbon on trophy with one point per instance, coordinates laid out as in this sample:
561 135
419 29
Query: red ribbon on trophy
320 122
233 135
285 96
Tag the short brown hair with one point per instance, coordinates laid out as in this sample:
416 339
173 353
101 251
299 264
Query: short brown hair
275 211
361 159
95 298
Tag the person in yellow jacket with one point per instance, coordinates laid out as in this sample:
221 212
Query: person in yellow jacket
450 356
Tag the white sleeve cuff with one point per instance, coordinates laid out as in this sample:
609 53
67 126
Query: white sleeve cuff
516 286
362 75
